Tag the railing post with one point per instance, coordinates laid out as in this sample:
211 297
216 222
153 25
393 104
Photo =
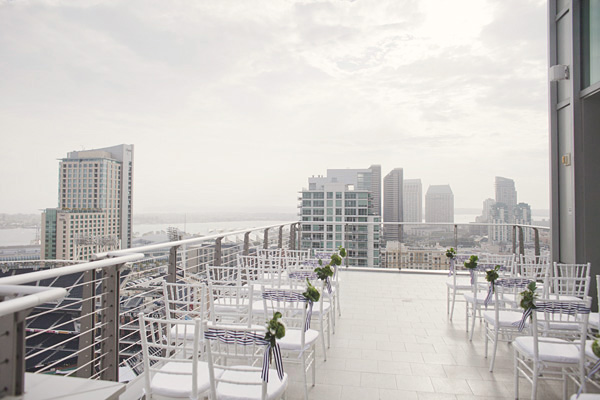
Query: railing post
521 241
86 341
12 353
536 234
172 272
109 348
456 236
218 258
280 238
266 239
246 243
514 239
292 236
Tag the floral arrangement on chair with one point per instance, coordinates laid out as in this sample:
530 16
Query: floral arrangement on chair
275 330
451 253
471 263
491 275
527 303
324 272
312 293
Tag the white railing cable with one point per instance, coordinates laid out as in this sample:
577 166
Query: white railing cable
71 269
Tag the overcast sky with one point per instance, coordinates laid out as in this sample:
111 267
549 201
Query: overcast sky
232 105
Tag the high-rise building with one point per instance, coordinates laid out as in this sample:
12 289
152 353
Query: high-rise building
332 211
412 201
506 193
393 186
499 216
439 204
368 179
95 200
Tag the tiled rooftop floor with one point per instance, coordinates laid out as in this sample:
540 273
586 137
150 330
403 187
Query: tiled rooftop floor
394 341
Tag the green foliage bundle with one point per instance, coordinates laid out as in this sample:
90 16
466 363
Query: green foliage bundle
528 297
472 262
492 274
451 253
312 293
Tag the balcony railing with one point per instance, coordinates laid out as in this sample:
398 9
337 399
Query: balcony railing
81 320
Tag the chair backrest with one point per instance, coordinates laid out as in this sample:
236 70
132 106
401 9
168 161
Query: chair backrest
165 341
230 304
533 259
292 305
506 292
224 274
249 268
185 300
539 273
554 318
238 354
572 280
506 262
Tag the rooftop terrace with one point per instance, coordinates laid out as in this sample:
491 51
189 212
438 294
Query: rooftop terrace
394 341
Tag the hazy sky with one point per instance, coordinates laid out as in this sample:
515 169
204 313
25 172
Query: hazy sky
232 105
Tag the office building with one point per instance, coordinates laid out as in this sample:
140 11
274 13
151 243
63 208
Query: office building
95 200
412 201
393 186
332 213
506 193
574 109
368 179
439 204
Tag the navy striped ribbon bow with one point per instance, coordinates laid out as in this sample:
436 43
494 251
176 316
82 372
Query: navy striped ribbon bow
488 298
246 338
311 276
508 282
291 297
554 307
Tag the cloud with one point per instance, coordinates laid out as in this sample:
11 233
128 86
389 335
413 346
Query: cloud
227 98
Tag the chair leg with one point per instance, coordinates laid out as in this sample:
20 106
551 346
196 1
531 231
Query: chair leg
473 322
453 302
467 315
516 383
487 338
322 334
337 296
493 360
314 370
304 374
535 382
329 330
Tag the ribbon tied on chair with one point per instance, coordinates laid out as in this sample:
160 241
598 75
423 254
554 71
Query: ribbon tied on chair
246 338
288 296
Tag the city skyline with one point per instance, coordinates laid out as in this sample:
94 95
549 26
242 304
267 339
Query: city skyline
289 88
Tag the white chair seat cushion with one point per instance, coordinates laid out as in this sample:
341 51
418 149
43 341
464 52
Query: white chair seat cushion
292 338
462 283
586 396
479 297
588 350
172 385
230 391
550 349
505 318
